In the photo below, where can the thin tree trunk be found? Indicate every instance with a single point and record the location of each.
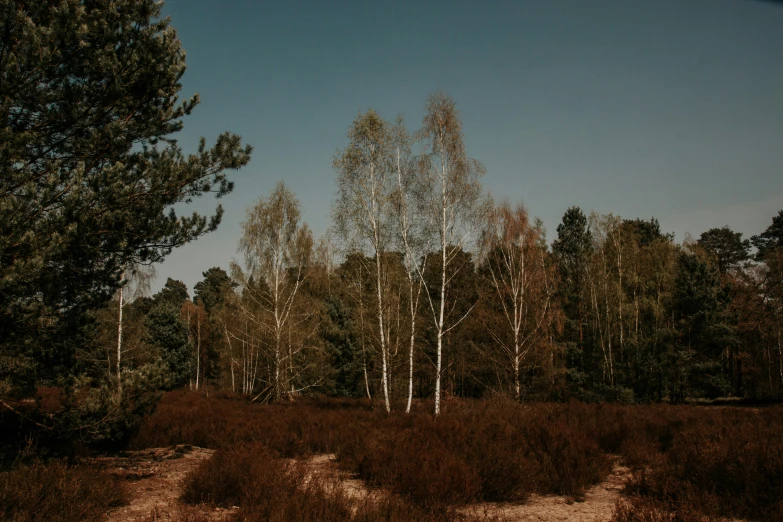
(364, 349)
(441, 316)
(412, 343)
(119, 341)
(198, 347)
(384, 366)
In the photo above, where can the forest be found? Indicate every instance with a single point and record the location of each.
(613, 309)
(431, 316)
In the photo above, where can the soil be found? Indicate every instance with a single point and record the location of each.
(154, 480)
(596, 505)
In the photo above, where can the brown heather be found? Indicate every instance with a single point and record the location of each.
(689, 463)
(55, 492)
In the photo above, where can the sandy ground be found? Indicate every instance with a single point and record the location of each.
(597, 505)
(154, 480)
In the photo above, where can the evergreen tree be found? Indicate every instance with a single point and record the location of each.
(212, 290)
(339, 337)
(770, 239)
(167, 332)
(89, 169)
(700, 331)
(726, 247)
(174, 292)
(572, 250)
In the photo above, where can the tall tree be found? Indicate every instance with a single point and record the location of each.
(771, 238)
(411, 231)
(770, 250)
(277, 248)
(513, 260)
(454, 204)
(212, 290)
(572, 250)
(726, 247)
(135, 284)
(363, 211)
(89, 169)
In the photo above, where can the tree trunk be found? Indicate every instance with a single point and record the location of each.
(119, 341)
(442, 286)
(410, 352)
(384, 348)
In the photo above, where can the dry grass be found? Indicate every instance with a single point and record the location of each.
(55, 492)
(689, 463)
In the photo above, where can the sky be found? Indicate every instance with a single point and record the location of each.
(670, 109)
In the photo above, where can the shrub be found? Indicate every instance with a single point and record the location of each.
(56, 492)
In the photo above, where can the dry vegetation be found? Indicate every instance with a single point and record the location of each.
(688, 463)
(56, 492)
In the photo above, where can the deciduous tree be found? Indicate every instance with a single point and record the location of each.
(454, 204)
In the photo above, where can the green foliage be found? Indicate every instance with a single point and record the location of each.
(645, 232)
(213, 288)
(89, 172)
(339, 335)
(700, 330)
(166, 331)
(173, 293)
(771, 238)
(726, 247)
(571, 250)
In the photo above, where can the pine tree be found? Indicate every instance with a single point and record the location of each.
(572, 250)
(89, 168)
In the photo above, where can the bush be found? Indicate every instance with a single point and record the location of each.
(270, 489)
(56, 492)
(695, 460)
(720, 469)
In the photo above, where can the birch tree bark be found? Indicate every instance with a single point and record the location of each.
(362, 212)
(513, 260)
(454, 205)
(277, 248)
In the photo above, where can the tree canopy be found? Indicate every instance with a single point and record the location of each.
(89, 167)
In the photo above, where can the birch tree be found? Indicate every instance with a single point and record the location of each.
(453, 204)
(195, 317)
(513, 258)
(136, 283)
(362, 211)
(277, 248)
(411, 231)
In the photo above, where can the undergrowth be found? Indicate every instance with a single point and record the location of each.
(689, 462)
(55, 492)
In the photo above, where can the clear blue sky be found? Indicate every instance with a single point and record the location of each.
(665, 108)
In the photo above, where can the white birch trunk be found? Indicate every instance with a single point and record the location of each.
(119, 341)
(441, 315)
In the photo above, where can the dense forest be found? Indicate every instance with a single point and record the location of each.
(613, 310)
(424, 287)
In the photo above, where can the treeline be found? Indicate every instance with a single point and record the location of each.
(425, 287)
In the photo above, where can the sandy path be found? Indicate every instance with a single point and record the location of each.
(154, 478)
(154, 481)
(598, 503)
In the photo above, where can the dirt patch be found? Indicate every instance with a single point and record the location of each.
(596, 505)
(325, 467)
(154, 478)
